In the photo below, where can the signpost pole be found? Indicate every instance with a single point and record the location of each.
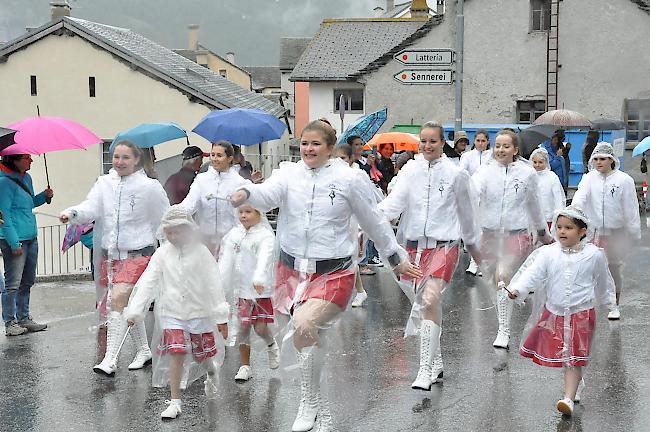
(342, 110)
(460, 31)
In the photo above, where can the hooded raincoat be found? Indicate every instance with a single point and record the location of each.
(551, 193)
(472, 160)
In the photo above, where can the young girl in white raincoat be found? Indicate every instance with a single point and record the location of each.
(551, 193)
(608, 196)
(190, 308)
(246, 267)
(570, 279)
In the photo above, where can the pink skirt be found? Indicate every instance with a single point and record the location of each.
(258, 310)
(437, 263)
(174, 342)
(545, 343)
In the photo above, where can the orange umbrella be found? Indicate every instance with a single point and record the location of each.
(401, 141)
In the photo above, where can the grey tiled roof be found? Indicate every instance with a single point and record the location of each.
(346, 49)
(264, 76)
(398, 9)
(290, 51)
(199, 83)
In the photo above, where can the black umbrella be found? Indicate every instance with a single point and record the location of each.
(6, 138)
(533, 136)
(607, 124)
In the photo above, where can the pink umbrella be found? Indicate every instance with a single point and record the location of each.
(40, 135)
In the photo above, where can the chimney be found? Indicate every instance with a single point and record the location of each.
(378, 11)
(440, 7)
(390, 5)
(230, 56)
(59, 9)
(419, 9)
(193, 37)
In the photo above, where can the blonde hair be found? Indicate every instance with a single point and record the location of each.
(324, 128)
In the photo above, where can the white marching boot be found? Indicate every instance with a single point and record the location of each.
(324, 415)
(310, 370)
(116, 327)
(429, 344)
(436, 369)
(143, 356)
(504, 312)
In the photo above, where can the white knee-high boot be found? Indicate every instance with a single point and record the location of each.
(143, 356)
(504, 312)
(116, 328)
(311, 364)
(436, 369)
(429, 344)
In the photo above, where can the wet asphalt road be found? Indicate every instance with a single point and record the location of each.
(46, 381)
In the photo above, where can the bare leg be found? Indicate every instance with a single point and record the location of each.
(358, 285)
(572, 377)
(245, 354)
(615, 270)
(431, 300)
(262, 330)
(120, 296)
(309, 318)
(175, 373)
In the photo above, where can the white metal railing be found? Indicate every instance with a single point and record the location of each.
(52, 261)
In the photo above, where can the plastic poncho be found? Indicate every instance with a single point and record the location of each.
(185, 283)
(551, 193)
(208, 200)
(568, 284)
(436, 200)
(126, 212)
(472, 160)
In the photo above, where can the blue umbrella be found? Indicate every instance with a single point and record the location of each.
(240, 126)
(366, 127)
(642, 147)
(148, 135)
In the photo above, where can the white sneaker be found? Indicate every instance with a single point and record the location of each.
(244, 374)
(614, 314)
(565, 406)
(359, 299)
(172, 411)
(375, 262)
(581, 388)
(273, 351)
(210, 387)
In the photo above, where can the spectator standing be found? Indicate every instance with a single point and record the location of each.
(178, 185)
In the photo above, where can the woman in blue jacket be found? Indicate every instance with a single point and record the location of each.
(556, 161)
(18, 242)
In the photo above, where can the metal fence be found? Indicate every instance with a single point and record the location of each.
(52, 261)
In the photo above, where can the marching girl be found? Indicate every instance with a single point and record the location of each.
(208, 196)
(471, 161)
(570, 278)
(510, 210)
(246, 267)
(434, 197)
(551, 193)
(127, 207)
(183, 280)
(609, 199)
(317, 196)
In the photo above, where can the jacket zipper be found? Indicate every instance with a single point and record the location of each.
(426, 219)
(117, 222)
(310, 212)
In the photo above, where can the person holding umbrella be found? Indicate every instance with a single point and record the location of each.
(18, 241)
(127, 207)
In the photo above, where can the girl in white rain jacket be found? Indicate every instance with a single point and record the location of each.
(246, 267)
(435, 199)
(126, 206)
(183, 279)
(510, 214)
(317, 196)
(208, 198)
(608, 196)
(551, 193)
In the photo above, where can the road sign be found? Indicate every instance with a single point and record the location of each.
(424, 76)
(425, 57)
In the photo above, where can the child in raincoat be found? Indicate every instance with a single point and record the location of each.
(183, 279)
(551, 193)
(246, 265)
(570, 278)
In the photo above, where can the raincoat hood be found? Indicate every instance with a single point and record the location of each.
(573, 212)
(541, 153)
(604, 149)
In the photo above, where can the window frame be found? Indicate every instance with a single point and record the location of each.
(105, 159)
(544, 19)
(336, 92)
(33, 84)
(639, 126)
(536, 107)
(92, 90)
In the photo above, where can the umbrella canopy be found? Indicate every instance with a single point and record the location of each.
(148, 135)
(607, 124)
(38, 135)
(365, 127)
(563, 119)
(533, 136)
(240, 126)
(642, 147)
(401, 141)
(6, 137)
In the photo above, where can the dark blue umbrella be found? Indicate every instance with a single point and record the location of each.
(6, 138)
(240, 126)
(148, 135)
(365, 127)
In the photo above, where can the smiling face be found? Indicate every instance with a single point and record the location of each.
(248, 216)
(504, 149)
(539, 163)
(603, 164)
(314, 150)
(220, 160)
(386, 151)
(568, 232)
(431, 143)
(357, 148)
(481, 142)
(124, 160)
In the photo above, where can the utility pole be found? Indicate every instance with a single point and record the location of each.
(460, 34)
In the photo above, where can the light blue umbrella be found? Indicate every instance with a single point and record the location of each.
(240, 126)
(642, 147)
(148, 135)
(365, 127)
